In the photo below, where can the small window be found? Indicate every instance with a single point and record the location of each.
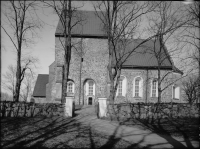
(70, 87)
(121, 88)
(137, 87)
(154, 88)
(175, 92)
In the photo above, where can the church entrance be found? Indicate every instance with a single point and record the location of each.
(89, 91)
(90, 101)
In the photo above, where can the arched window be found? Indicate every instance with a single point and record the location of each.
(70, 87)
(175, 92)
(154, 88)
(121, 89)
(90, 88)
(137, 87)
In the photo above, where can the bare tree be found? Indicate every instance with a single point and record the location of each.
(166, 21)
(69, 19)
(5, 97)
(23, 23)
(190, 88)
(121, 20)
(27, 86)
(9, 78)
(191, 36)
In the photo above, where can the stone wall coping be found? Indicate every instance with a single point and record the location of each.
(69, 97)
(102, 98)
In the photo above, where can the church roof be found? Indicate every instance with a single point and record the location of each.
(91, 26)
(40, 85)
(144, 55)
(88, 25)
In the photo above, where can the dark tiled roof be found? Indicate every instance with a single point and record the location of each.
(40, 86)
(144, 55)
(90, 24)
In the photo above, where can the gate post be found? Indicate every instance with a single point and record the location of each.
(102, 107)
(68, 108)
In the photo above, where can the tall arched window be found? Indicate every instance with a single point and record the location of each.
(91, 90)
(137, 87)
(90, 87)
(121, 89)
(154, 88)
(70, 87)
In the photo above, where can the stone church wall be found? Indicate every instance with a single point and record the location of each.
(130, 74)
(94, 65)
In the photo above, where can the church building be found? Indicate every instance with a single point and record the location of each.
(88, 74)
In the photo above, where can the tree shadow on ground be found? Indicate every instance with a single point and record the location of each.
(59, 132)
(55, 132)
(166, 128)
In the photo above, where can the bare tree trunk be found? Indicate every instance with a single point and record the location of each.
(111, 96)
(0, 54)
(80, 70)
(18, 75)
(159, 85)
(198, 98)
(67, 56)
(147, 80)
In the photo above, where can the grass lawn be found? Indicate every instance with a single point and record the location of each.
(54, 132)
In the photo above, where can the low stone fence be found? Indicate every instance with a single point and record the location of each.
(140, 110)
(25, 109)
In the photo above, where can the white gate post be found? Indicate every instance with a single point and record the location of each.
(102, 107)
(68, 111)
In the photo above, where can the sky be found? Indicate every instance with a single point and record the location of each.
(44, 49)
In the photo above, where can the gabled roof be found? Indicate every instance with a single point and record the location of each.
(144, 55)
(89, 24)
(40, 85)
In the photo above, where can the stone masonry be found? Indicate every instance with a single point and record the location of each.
(130, 74)
(94, 66)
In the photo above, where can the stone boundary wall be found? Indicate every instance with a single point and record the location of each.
(26, 109)
(140, 110)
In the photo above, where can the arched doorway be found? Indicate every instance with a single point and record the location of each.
(89, 92)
